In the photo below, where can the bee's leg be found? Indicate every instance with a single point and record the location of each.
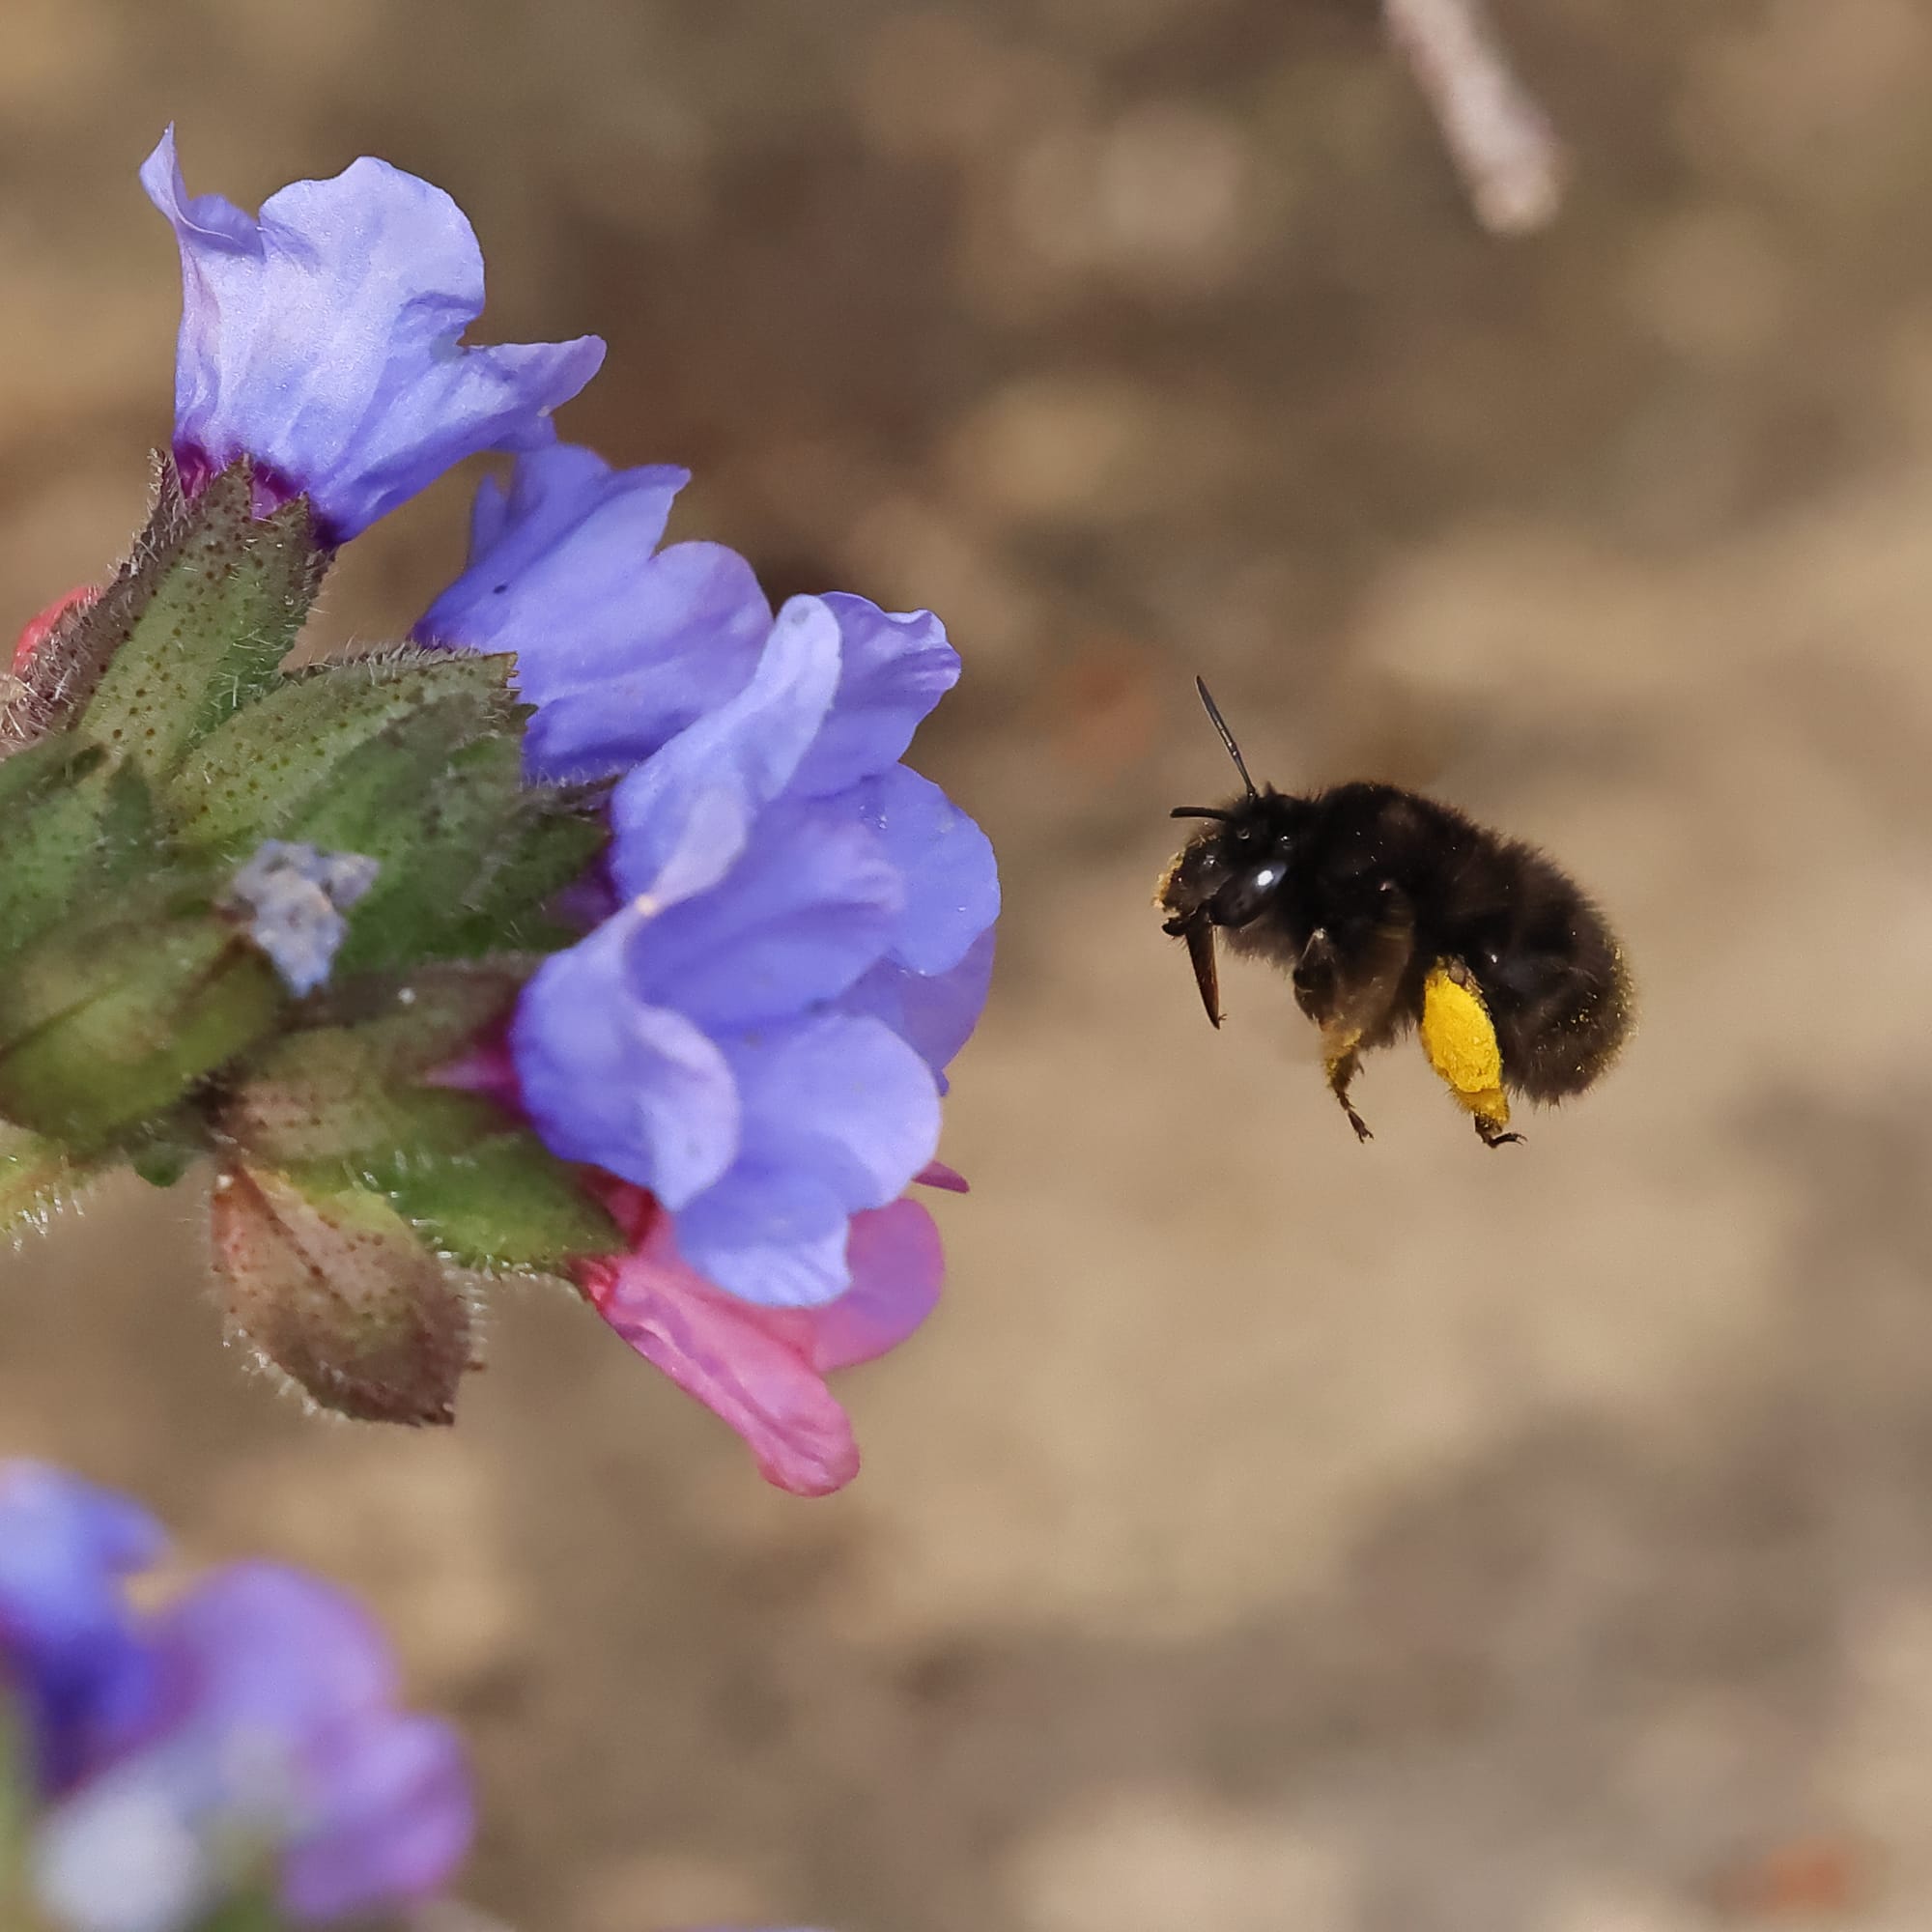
(1343, 1059)
(1317, 993)
(1459, 1039)
(1349, 990)
(1315, 978)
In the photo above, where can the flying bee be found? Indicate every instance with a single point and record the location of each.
(1388, 909)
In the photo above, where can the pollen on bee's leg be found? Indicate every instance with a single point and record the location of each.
(1459, 1039)
(1343, 1060)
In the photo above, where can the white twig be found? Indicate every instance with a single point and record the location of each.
(1500, 140)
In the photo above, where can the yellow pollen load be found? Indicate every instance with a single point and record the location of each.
(1461, 1043)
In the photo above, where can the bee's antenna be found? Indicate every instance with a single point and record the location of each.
(1227, 736)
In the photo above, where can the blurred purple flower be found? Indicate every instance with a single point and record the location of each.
(249, 1727)
(68, 1647)
(322, 340)
(619, 644)
(755, 1035)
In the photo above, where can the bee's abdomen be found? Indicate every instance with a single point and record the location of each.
(1549, 968)
(1560, 1039)
(1562, 1004)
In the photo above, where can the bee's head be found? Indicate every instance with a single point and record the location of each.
(1227, 875)
(1229, 871)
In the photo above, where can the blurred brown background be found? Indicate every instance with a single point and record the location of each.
(1271, 1534)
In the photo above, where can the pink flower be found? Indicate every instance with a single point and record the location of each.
(763, 1369)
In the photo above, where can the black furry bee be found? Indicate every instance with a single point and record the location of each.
(1389, 911)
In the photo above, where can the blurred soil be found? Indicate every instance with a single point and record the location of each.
(1272, 1534)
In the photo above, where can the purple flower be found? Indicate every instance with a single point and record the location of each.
(838, 692)
(68, 1648)
(933, 1012)
(755, 1035)
(619, 644)
(322, 340)
(247, 1728)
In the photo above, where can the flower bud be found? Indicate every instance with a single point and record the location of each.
(105, 1024)
(336, 1290)
(196, 621)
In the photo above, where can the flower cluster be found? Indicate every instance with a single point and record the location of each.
(240, 1742)
(756, 1034)
(602, 931)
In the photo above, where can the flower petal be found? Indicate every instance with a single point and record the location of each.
(772, 1235)
(836, 1115)
(260, 1647)
(698, 618)
(64, 1547)
(934, 1013)
(68, 1644)
(898, 1268)
(376, 1805)
(322, 340)
(842, 1098)
(894, 670)
(809, 905)
(119, 1857)
(618, 644)
(743, 1363)
(275, 1725)
(936, 1173)
(749, 747)
(612, 1080)
(952, 880)
(559, 494)
(394, 1821)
